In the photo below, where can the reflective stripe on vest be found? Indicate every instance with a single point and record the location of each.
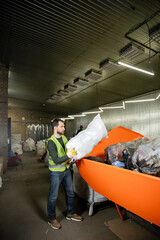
(60, 152)
(58, 166)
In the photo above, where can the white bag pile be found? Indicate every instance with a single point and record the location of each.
(17, 148)
(84, 142)
(29, 145)
(40, 147)
(16, 138)
(16, 143)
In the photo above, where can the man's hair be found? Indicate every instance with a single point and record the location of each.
(56, 122)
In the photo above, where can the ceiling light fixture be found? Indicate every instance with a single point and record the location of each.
(154, 33)
(131, 51)
(67, 118)
(108, 65)
(113, 107)
(135, 68)
(70, 88)
(143, 100)
(63, 93)
(86, 113)
(79, 115)
(50, 100)
(157, 96)
(93, 75)
(55, 96)
(81, 82)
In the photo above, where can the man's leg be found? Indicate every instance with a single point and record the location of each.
(55, 181)
(68, 185)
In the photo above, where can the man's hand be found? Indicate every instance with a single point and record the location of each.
(71, 153)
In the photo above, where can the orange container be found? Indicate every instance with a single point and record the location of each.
(137, 192)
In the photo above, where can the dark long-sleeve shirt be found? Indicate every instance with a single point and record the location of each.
(52, 148)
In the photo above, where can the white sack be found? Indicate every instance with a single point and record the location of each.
(84, 142)
(17, 148)
(29, 145)
(16, 139)
(41, 148)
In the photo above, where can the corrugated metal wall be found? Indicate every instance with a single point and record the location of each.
(141, 117)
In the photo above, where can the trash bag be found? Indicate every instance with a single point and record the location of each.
(84, 142)
(129, 150)
(29, 145)
(123, 152)
(40, 147)
(114, 153)
(146, 158)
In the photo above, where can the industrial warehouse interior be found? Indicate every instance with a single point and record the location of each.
(91, 63)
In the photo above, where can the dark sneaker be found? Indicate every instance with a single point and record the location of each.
(55, 224)
(74, 217)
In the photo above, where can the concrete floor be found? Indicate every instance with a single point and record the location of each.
(23, 214)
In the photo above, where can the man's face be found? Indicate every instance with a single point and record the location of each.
(60, 128)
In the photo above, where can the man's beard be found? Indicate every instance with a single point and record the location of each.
(60, 133)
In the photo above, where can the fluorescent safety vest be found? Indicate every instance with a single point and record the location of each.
(60, 152)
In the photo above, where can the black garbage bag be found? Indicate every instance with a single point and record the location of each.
(114, 153)
(123, 152)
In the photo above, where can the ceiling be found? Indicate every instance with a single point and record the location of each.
(48, 44)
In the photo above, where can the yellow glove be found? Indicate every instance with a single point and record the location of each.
(71, 153)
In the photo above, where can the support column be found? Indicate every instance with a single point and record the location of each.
(4, 117)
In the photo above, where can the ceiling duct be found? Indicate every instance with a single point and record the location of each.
(81, 82)
(93, 75)
(154, 33)
(55, 96)
(108, 65)
(50, 100)
(131, 52)
(63, 93)
(70, 88)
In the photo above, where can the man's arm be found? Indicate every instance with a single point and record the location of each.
(53, 153)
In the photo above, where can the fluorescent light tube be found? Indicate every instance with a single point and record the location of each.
(135, 68)
(124, 105)
(143, 100)
(67, 118)
(93, 112)
(79, 115)
(157, 96)
(113, 107)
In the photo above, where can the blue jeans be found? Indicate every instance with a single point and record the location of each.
(56, 178)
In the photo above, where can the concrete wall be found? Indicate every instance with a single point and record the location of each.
(141, 117)
(20, 119)
(3, 117)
